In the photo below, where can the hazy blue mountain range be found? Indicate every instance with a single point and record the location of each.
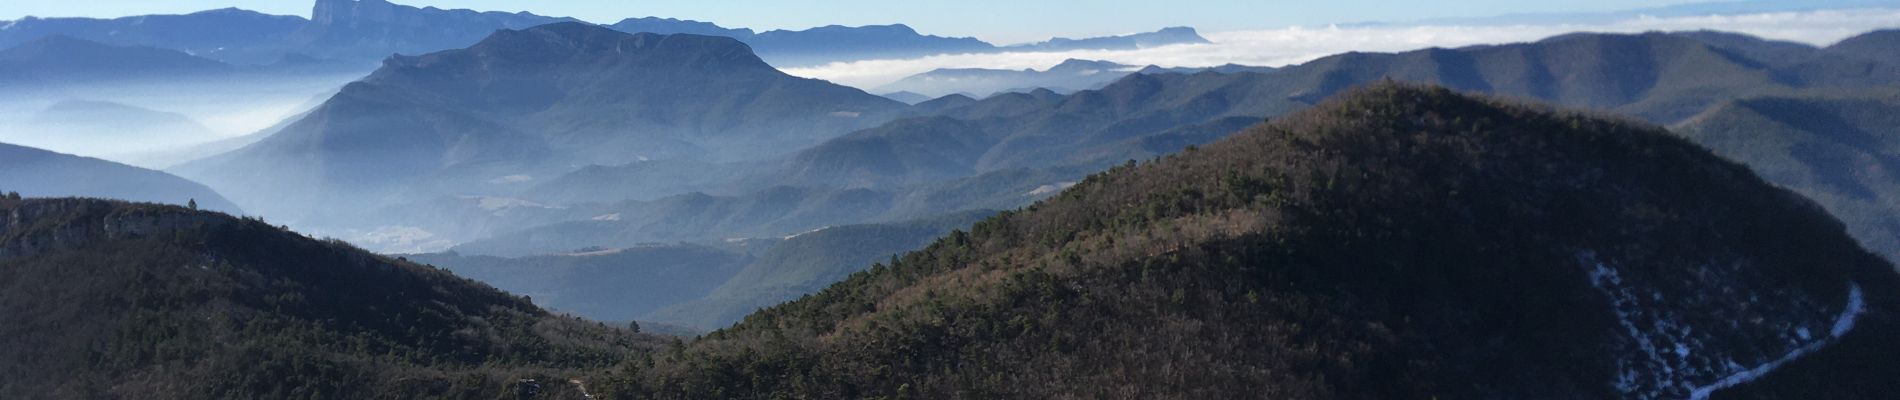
(907, 97)
(531, 103)
(357, 33)
(1719, 217)
(1661, 77)
(1694, 9)
(55, 60)
(1143, 116)
(1064, 78)
(374, 29)
(1008, 147)
(103, 126)
(1069, 76)
(787, 48)
(229, 35)
(1163, 37)
(58, 66)
(1223, 69)
(40, 173)
(668, 26)
(793, 48)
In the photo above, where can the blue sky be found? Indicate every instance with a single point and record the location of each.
(1005, 21)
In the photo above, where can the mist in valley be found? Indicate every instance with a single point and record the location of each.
(159, 123)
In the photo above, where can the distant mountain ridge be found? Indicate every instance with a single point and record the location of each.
(1656, 76)
(530, 102)
(1164, 37)
(107, 129)
(1067, 77)
(62, 59)
(1070, 76)
(373, 29)
(362, 31)
(1661, 77)
(1031, 136)
(229, 35)
(40, 173)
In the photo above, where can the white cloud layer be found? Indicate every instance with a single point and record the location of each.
(1294, 45)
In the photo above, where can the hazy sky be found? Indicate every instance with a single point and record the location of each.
(1003, 21)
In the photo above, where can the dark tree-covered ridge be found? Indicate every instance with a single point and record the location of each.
(108, 299)
(1394, 242)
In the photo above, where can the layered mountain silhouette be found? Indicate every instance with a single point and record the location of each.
(373, 29)
(1069, 76)
(527, 102)
(668, 26)
(1163, 37)
(1841, 151)
(352, 32)
(794, 48)
(907, 97)
(39, 173)
(106, 129)
(1664, 78)
(1223, 69)
(111, 300)
(997, 150)
(55, 60)
(787, 48)
(229, 35)
(1397, 242)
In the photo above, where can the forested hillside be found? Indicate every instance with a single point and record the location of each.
(126, 300)
(1398, 242)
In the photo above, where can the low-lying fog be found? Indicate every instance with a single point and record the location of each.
(157, 124)
(1292, 45)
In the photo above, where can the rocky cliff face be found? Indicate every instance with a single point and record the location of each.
(40, 226)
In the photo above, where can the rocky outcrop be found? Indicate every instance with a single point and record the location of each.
(38, 226)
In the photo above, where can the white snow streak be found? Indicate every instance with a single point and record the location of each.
(1855, 306)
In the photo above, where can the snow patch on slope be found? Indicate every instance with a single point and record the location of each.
(1667, 355)
(1856, 305)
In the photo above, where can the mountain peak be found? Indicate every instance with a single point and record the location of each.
(1080, 65)
(563, 40)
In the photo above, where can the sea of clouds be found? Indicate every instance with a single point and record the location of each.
(1293, 45)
